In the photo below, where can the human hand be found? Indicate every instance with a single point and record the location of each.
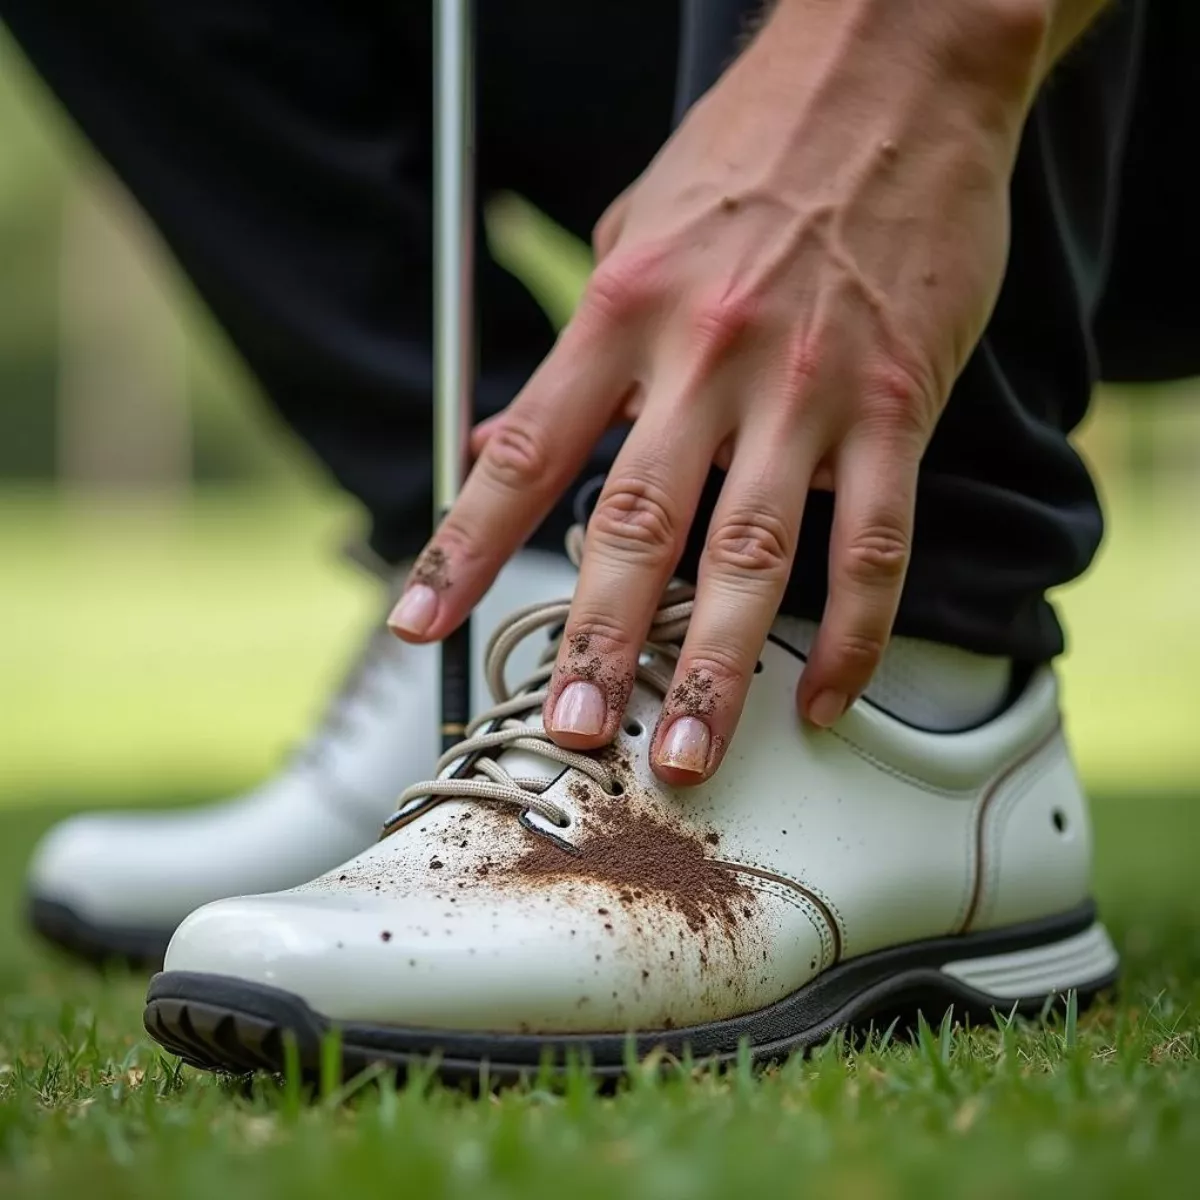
(789, 290)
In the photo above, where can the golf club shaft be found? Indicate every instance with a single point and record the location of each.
(454, 305)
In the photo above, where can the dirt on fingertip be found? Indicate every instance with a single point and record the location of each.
(432, 569)
(695, 695)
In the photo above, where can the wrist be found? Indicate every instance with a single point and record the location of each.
(985, 56)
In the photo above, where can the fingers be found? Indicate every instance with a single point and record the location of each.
(874, 499)
(634, 539)
(527, 457)
(743, 572)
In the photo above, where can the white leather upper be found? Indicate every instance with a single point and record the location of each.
(149, 869)
(866, 836)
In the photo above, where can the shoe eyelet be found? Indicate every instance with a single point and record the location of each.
(634, 727)
(618, 788)
(546, 828)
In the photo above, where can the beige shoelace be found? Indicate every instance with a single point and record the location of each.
(503, 726)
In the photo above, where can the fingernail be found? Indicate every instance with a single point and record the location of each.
(826, 708)
(685, 746)
(580, 709)
(415, 610)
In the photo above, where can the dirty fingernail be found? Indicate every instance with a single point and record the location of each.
(685, 746)
(580, 709)
(826, 708)
(415, 610)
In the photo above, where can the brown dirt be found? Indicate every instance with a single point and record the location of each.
(614, 682)
(696, 695)
(432, 569)
(645, 860)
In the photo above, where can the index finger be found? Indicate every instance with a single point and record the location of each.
(533, 453)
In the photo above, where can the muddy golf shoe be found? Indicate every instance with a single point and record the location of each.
(115, 885)
(545, 903)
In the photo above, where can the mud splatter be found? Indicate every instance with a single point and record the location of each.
(385, 935)
(643, 857)
(432, 569)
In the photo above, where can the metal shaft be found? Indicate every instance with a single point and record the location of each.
(454, 244)
(453, 302)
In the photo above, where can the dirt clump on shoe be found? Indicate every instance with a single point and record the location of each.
(644, 859)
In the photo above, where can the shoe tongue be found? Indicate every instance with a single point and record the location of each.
(797, 633)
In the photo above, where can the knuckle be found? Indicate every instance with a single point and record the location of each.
(718, 322)
(876, 554)
(591, 634)
(633, 518)
(516, 454)
(709, 675)
(755, 543)
(858, 653)
(620, 286)
(899, 401)
(804, 358)
(456, 542)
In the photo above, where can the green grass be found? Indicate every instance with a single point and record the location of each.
(124, 675)
(1106, 1106)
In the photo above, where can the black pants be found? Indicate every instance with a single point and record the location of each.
(282, 149)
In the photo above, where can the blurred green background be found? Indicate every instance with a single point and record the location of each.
(172, 607)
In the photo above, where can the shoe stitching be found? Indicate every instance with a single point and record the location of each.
(896, 773)
(1013, 771)
(832, 917)
(996, 821)
(800, 902)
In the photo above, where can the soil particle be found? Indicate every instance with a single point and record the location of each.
(386, 935)
(432, 569)
(436, 864)
(696, 694)
(713, 839)
(638, 853)
(615, 682)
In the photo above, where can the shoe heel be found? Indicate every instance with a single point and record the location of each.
(1085, 962)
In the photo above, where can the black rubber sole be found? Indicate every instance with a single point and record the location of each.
(97, 944)
(224, 1024)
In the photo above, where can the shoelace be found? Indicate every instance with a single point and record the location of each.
(503, 727)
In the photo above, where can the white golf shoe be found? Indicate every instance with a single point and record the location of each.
(541, 903)
(116, 884)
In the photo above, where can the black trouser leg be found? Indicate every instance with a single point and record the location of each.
(282, 148)
(1006, 509)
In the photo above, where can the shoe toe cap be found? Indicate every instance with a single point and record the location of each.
(544, 963)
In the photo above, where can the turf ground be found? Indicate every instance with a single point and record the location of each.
(122, 679)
